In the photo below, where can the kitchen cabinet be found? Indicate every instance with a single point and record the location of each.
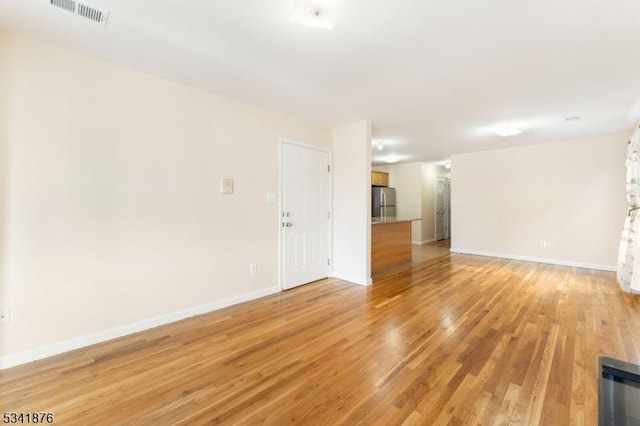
(379, 179)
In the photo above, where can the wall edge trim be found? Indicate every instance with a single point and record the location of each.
(29, 355)
(611, 268)
(353, 279)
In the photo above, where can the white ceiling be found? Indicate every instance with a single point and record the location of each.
(434, 77)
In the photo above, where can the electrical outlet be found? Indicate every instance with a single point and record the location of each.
(226, 186)
(5, 316)
(253, 268)
(543, 243)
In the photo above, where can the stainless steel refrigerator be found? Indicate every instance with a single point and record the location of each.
(383, 201)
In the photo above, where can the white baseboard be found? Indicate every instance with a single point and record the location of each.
(536, 259)
(353, 279)
(23, 357)
(423, 242)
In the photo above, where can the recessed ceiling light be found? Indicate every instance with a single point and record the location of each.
(315, 13)
(379, 146)
(508, 131)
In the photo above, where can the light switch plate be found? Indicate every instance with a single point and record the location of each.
(5, 316)
(226, 186)
(271, 198)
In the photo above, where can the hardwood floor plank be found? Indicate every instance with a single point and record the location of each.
(455, 339)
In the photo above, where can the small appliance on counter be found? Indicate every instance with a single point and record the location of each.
(383, 201)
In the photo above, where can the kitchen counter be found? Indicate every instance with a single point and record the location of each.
(390, 219)
(390, 244)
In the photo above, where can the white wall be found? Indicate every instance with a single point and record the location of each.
(407, 180)
(352, 202)
(571, 194)
(4, 162)
(429, 175)
(115, 216)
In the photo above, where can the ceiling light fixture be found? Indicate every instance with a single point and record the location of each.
(391, 159)
(315, 13)
(379, 146)
(508, 131)
(447, 164)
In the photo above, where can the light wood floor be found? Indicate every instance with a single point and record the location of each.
(419, 254)
(457, 339)
(429, 251)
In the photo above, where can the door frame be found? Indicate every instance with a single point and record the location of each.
(283, 142)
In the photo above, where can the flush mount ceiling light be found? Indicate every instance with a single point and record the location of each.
(508, 131)
(391, 159)
(379, 145)
(315, 13)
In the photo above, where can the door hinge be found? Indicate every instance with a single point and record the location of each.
(329, 168)
(328, 261)
(328, 215)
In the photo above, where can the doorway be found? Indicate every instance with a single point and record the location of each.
(443, 208)
(305, 216)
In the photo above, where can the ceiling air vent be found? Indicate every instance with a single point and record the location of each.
(82, 9)
(69, 5)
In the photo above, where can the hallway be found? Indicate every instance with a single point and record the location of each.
(430, 251)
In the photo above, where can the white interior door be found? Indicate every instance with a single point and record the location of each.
(443, 208)
(441, 216)
(447, 197)
(306, 214)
